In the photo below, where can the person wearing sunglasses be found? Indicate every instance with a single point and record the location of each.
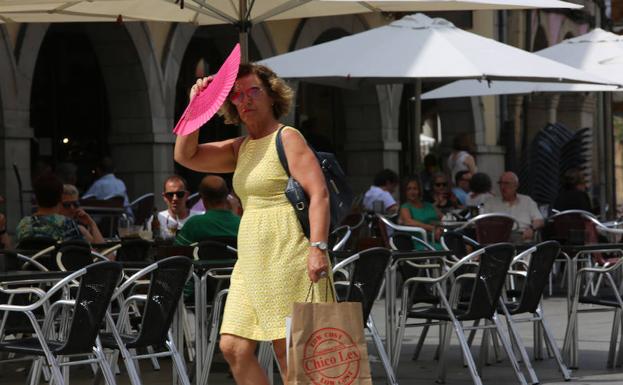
(277, 265)
(442, 198)
(177, 213)
(47, 220)
(70, 207)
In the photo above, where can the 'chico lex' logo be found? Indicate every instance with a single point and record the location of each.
(331, 357)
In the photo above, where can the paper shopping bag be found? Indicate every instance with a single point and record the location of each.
(327, 345)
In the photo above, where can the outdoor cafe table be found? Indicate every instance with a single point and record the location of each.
(420, 257)
(572, 254)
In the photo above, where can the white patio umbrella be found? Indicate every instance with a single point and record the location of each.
(598, 52)
(415, 48)
(242, 13)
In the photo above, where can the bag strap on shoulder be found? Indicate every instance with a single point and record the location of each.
(281, 152)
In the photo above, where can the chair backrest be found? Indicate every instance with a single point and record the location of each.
(570, 228)
(9, 261)
(134, 250)
(35, 243)
(407, 242)
(489, 281)
(339, 236)
(540, 266)
(142, 208)
(366, 278)
(73, 258)
(458, 244)
(165, 290)
(214, 250)
(493, 229)
(96, 288)
(32, 245)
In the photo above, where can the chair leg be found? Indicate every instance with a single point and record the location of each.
(614, 336)
(154, 360)
(483, 354)
(420, 343)
(37, 367)
(177, 359)
(515, 336)
(551, 342)
(509, 350)
(103, 364)
(445, 336)
(467, 354)
(472, 333)
(389, 371)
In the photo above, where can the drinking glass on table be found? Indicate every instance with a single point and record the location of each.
(124, 226)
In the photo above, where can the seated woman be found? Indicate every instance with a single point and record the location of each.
(47, 220)
(71, 209)
(573, 195)
(480, 186)
(416, 212)
(442, 198)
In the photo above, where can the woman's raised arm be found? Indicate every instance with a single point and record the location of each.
(219, 157)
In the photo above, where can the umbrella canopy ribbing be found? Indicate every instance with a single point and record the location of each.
(204, 12)
(598, 52)
(419, 47)
(414, 48)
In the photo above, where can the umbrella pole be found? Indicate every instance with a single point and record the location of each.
(417, 126)
(243, 31)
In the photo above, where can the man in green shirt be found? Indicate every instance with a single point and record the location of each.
(217, 221)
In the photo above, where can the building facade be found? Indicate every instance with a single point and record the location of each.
(77, 92)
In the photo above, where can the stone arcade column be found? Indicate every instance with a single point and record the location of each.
(372, 133)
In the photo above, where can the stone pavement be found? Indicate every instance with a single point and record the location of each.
(594, 337)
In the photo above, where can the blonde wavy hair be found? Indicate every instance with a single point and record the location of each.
(276, 88)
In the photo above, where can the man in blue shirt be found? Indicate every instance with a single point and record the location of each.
(461, 186)
(107, 185)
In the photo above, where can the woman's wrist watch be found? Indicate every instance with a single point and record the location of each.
(321, 245)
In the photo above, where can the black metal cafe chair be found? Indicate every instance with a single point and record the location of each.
(532, 269)
(486, 287)
(97, 283)
(167, 278)
(366, 271)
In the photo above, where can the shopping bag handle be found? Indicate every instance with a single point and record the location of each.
(310, 292)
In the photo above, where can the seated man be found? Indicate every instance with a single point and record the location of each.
(177, 213)
(461, 186)
(47, 220)
(107, 184)
(217, 221)
(71, 209)
(380, 193)
(519, 206)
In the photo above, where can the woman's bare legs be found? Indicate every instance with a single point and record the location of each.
(240, 355)
(279, 346)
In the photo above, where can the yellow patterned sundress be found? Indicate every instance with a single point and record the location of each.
(271, 271)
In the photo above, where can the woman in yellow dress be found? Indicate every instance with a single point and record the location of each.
(276, 262)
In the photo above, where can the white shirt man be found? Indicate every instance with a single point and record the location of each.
(385, 183)
(177, 213)
(521, 207)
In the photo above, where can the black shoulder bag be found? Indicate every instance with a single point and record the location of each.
(340, 193)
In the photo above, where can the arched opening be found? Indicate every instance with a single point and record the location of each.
(69, 110)
(319, 109)
(206, 52)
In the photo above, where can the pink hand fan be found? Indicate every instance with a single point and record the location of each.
(205, 104)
